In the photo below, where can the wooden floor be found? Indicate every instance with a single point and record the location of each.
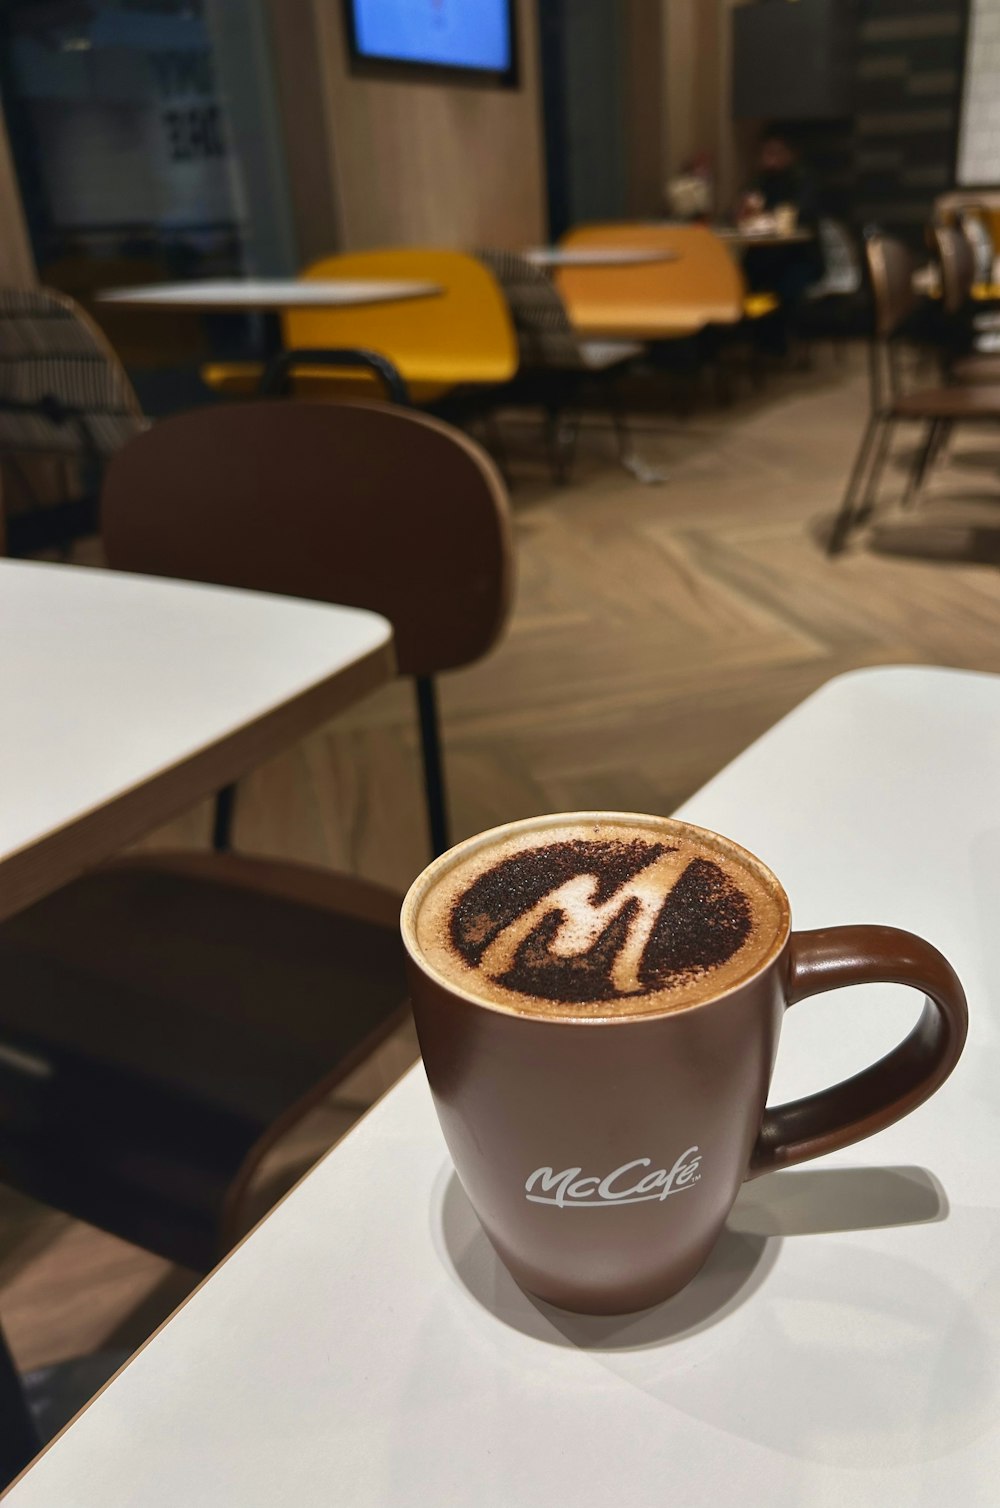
(656, 632)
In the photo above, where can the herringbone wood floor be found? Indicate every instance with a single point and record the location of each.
(656, 631)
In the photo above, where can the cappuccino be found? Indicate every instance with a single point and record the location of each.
(595, 915)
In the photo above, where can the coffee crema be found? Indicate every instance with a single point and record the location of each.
(595, 915)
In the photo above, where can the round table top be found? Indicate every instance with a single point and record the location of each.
(269, 293)
(596, 256)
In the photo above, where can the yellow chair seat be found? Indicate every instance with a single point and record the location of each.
(757, 305)
(986, 292)
(241, 379)
(462, 336)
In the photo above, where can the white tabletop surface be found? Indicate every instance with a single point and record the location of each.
(110, 681)
(842, 1346)
(270, 293)
(595, 256)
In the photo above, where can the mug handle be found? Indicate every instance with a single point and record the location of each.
(826, 959)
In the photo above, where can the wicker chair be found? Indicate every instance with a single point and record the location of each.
(64, 396)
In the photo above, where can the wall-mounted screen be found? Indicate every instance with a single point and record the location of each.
(470, 38)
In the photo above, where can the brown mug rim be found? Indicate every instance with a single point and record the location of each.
(428, 875)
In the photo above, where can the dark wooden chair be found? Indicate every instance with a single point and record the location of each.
(956, 260)
(938, 409)
(354, 503)
(166, 1018)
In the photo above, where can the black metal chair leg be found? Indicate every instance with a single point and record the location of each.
(845, 518)
(497, 444)
(430, 748)
(619, 419)
(925, 456)
(627, 457)
(561, 435)
(19, 1442)
(222, 823)
(870, 498)
(277, 374)
(942, 441)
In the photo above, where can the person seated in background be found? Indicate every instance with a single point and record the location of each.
(784, 196)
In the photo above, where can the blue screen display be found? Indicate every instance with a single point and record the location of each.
(449, 33)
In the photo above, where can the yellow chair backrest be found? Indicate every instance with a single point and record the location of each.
(653, 300)
(462, 335)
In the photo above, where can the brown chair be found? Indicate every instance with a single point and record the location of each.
(166, 1018)
(939, 409)
(359, 504)
(957, 266)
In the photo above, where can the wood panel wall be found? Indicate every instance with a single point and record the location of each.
(17, 270)
(379, 161)
(646, 124)
(698, 93)
(17, 264)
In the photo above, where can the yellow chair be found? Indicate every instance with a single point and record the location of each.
(462, 336)
(652, 300)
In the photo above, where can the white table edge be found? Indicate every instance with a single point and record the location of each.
(198, 296)
(867, 673)
(889, 672)
(416, 1067)
(45, 863)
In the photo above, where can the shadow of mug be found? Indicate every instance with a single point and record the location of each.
(818, 1200)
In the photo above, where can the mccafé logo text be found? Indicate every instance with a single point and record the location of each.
(628, 1184)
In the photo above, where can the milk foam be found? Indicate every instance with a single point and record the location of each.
(595, 915)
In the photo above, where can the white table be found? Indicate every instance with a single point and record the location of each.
(126, 698)
(256, 294)
(365, 1347)
(595, 256)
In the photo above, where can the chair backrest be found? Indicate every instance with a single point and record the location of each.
(958, 266)
(890, 267)
(980, 226)
(63, 391)
(461, 335)
(363, 504)
(545, 337)
(703, 286)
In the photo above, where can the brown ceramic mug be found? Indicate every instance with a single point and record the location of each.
(598, 998)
